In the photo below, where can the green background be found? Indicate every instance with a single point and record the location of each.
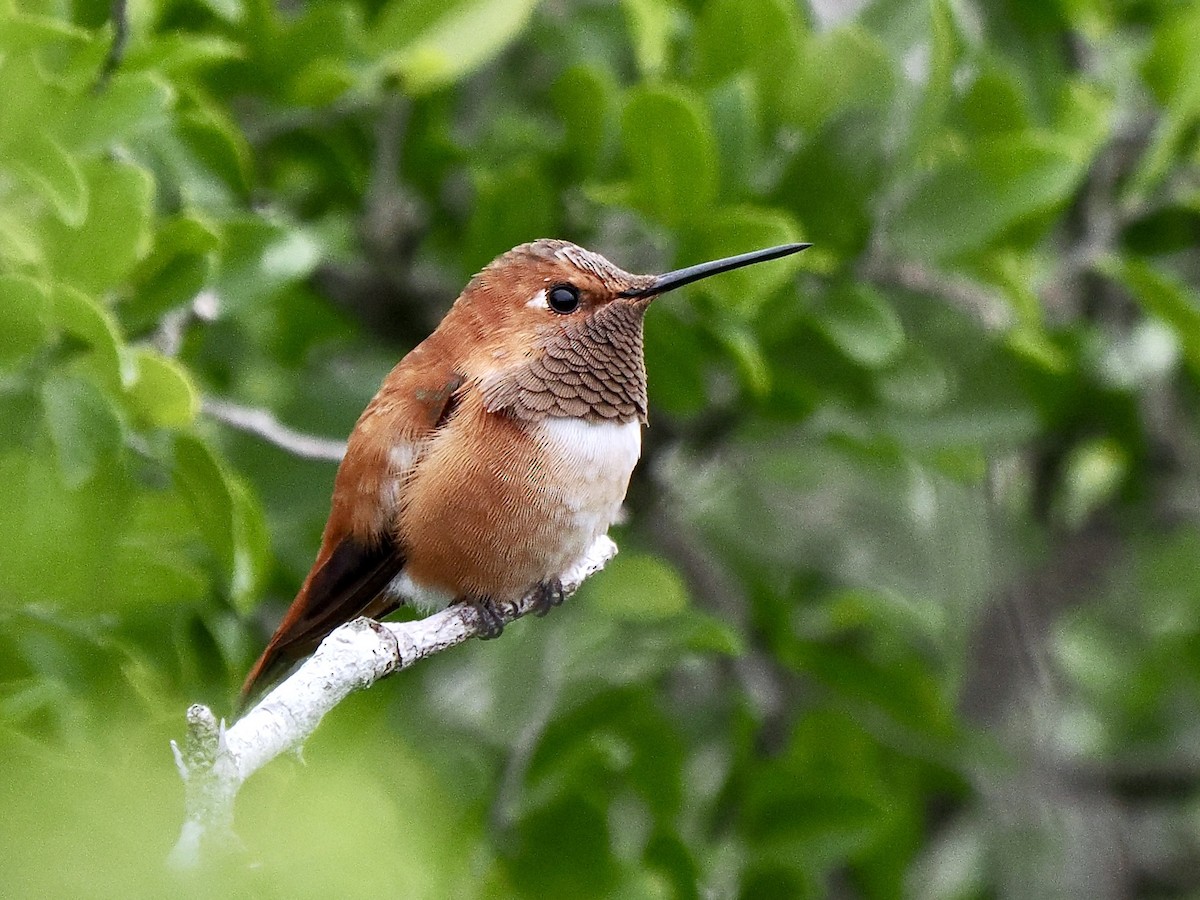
(908, 602)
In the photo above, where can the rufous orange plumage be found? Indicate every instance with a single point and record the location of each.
(495, 453)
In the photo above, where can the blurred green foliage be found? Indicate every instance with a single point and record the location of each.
(908, 601)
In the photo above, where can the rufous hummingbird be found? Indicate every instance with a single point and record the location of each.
(495, 453)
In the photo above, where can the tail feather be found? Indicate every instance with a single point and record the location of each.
(345, 583)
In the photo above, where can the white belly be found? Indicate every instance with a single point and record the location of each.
(594, 461)
(577, 485)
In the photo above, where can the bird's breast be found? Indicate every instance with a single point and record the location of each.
(592, 461)
(496, 504)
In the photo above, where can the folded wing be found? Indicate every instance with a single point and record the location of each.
(359, 553)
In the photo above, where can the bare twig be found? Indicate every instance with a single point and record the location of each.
(982, 303)
(116, 50)
(386, 290)
(168, 337)
(215, 761)
(262, 423)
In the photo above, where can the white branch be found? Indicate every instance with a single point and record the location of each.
(262, 423)
(215, 760)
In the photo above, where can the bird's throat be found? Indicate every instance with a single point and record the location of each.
(592, 368)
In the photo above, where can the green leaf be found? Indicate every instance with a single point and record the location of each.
(735, 35)
(862, 324)
(638, 587)
(162, 393)
(1036, 346)
(902, 688)
(229, 10)
(994, 103)
(651, 23)
(671, 150)
(54, 173)
(939, 87)
(98, 254)
(462, 38)
(752, 366)
(509, 207)
(83, 427)
(1093, 473)
(837, 173)
(322, 82)
(61, 532)
(1083, 117)
(180, 53)
(19, 244)
(131, 104)
(30, 104)
(167, 289)
(201, 480)
(913, 380)
(229, 518)
(326, 36)
(705, 634)
(584, 97)
(669, 854)
(220, 145)
(26, 318)
(1167, 299)
(572, 830)
(737, 124)
(760, 37)
(21, 32)
(173, 273)
(677, 355)
(842, 71)
(152, 575)
(185, 234)
(968, 201)
(82, 317)
(252, 549)
(1171, 68)
(812, 816)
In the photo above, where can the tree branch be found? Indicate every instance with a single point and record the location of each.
(262, 423)
(215, 761)
(986, 305)
(116, 50)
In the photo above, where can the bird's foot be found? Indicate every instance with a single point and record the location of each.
(546, 596)
(491, 617)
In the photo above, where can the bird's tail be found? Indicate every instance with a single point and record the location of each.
(346, 582)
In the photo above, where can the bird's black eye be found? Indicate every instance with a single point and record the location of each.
(564, 298)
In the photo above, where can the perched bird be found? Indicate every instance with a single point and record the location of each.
(495, 453)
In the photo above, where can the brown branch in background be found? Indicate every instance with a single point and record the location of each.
(384, 291)
(1012, 687)
(768, 686)
(116, 50)
(984, 304)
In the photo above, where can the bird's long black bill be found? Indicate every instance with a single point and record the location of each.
(680, 277)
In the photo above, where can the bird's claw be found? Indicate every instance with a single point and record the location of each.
(547, 595)
(491, 618)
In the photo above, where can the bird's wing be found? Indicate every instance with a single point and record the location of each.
(359, 553)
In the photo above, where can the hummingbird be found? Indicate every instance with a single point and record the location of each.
(495, 453)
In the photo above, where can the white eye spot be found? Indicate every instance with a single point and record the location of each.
(538, 300)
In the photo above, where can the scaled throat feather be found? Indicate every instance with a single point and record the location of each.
(591, 368)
